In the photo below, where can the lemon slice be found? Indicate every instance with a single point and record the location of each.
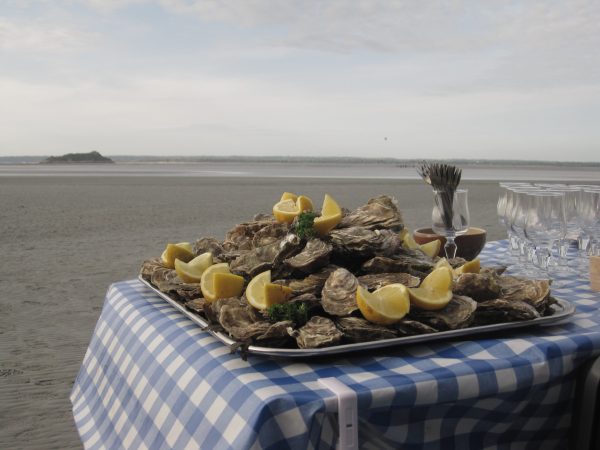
(192, 271)
(261, 293)
(408, 241)
(217, 281)
(435, 291)
(287, 210)
(386, 305)
(442, 262)
(288, 196)
(432, 248)
(473, 266)
(182, 251)
(331, 215)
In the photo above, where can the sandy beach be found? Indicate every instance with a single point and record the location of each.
(64, 240)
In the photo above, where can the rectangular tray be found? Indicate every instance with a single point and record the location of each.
(563, 309)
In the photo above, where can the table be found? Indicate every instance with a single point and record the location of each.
(152, 379)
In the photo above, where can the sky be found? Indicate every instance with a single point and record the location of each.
(365, 78)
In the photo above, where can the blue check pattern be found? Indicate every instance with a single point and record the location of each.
(152, 379)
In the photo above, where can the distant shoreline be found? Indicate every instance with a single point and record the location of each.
(401, 163)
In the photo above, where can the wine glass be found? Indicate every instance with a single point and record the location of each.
(545, 224)
(450, 223)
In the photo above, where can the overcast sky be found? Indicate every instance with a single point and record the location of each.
(482, 79)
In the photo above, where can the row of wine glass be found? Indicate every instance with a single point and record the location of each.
(540, 217)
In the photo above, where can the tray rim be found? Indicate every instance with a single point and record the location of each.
(568, 309)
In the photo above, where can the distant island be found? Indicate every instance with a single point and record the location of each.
(78, 158)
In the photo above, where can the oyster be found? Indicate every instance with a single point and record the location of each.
(376, 280)
(456, 314)
(269, 234)
(534, 292)
(166, 280)
(399, 263)
(240, 237)
(408, 327)
(188, 291)
(312, 284)
(364, 242)
(266, 257)
(502, 310)
(208, 244)
(149, 266)
(379, 212)
(197, 305)
(356, 329)
(314, 256)
(317, 332)
(339, 293)
(478, 286)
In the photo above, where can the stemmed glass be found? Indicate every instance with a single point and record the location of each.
(590, 218)
(450, 227)
(545, 224)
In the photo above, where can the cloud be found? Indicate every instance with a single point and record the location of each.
(37, 36)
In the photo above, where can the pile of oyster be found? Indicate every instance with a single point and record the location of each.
(364, 248)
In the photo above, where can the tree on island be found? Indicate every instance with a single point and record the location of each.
(91, 157)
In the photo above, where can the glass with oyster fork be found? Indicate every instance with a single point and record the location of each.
(453, 222)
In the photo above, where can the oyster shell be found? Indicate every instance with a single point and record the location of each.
(269, 234)
(197, 305)
(502, 310)
(534, 292)
(266, 257)
(376, 280)
(188, 291)
(459, 313)
(208, 244)
(363, 242)
(408, 327)
(478, 286)
(356, 329)
(398, 263)
(317, 332)
(338, 296)
(379, 213)
(165, 280)
(240, 237)
(149, 266)
(312, 284)
(314, 256)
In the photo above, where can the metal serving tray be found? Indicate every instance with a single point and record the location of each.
(563, 309)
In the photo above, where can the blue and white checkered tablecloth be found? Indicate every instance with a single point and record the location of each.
(152, 379)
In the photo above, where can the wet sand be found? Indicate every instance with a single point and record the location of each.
(63, 240)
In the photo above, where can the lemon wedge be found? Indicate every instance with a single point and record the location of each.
(287, 210)
(386, 305)
(408, 241)
(435, 290)
(288, 196)
(192, 271)
(261, 293)
(443, 262)
(182, 251)
(331, 215)
(217, 282)
(432, 248)
(473, 266)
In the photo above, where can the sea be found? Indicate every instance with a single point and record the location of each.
(355, 170)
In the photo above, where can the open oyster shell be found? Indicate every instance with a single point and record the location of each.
(313, 256)
(338, 296)
(409, 327)
(459, 313)
(150, 266)
(374, 281)
(356, 329)
(398, 263)
(208, 244)
(241, 236)
(317, 332)
(312, 284)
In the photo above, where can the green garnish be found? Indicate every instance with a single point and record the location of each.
(304, 225)
(297, 312)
